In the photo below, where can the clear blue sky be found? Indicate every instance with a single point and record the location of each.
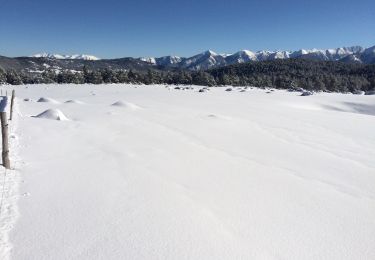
(109, 28)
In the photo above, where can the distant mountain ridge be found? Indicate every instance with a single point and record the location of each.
(65, 57)
(39, 63)
(210, 59)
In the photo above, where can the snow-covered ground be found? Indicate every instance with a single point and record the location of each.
(149, 172)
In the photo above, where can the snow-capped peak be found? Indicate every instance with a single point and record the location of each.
(211, 53)
(60, 57)
(241, 56)
(150, 60)
(246, 52)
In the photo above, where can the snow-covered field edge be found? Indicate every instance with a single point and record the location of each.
(9, 180)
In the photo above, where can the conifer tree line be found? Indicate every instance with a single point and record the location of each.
(281, 74)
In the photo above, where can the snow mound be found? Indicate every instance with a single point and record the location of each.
(53, 114)
(73, 101)
(131, 106)
(306, 93)
(47, 100)
(216, 116)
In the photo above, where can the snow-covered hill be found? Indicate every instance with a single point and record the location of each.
(141, 172)
(368, 55)
(70, 57)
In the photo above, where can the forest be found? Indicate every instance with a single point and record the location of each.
(280, 74)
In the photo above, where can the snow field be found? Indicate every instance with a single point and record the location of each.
(149, 172)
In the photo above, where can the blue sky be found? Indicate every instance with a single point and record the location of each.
(109, 28)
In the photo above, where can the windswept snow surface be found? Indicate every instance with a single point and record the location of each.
(214, 175)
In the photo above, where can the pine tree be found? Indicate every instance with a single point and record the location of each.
(13, 78)
(3, 77)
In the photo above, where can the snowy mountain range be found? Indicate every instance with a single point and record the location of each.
(201, 61)
(210, 59)
(65, 57)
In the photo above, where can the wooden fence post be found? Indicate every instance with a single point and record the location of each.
(11, 104)
(4, 136)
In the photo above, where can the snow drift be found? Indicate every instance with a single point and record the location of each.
(124, 104)
(53, 114)
(73, 101)
(47, 100)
